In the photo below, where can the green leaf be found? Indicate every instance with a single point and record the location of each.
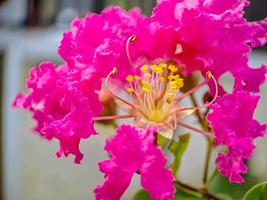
(258, 192)
(161, 140)
(221, 185)
(224, 196)
(141, 195)
(183, 195)
(178, 149)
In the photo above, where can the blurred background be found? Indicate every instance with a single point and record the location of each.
(30, 31)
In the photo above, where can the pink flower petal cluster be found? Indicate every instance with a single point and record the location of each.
(132, 151)
(211, 33)
(234, 126)
(196, 35)
(63, 103)
(98, 41)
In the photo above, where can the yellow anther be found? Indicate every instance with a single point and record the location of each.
(173, 77)
(177, 84)
(180, 82)
(130, 90)
(173, 85)
(146, 90)
(153, 67)
(133, 38)
(163, 65)
(145, 83)
(148, 75)
(170, 94)
(144, 68)
(146, 86)
(137, 77)
(114, 70)
(159, 70)
(172, 68)
(208, 74)
(129, 78)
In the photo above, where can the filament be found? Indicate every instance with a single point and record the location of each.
(112, 117)
(129, 40)
(195, 129)
(114, 71)
(209, 76)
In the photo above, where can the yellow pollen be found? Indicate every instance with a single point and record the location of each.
(170, 94)
(173, 77)
(146, 86)
(148, 75)
(129, 78)
(144, 68)
(176, 84)
(153, 67)
(137, 77)
(157, 69)
(208, 74)
(133, 38)
(154, 91)
(172, 68)
(163, 65)
(130, 90)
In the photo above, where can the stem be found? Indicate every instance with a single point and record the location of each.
(207, 162)
(201, 191)
(205, 127)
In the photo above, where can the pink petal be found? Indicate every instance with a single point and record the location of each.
(232, 122)
(63, 103)
(133, 150)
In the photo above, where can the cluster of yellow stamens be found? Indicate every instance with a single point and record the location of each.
(154, 96)
(154, 90)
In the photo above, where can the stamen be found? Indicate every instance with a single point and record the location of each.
(112, 117)
(195, 129)
(194, 89)
(114, 71)
(130, 39)
(209, 76)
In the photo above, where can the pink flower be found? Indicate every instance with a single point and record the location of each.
(132, 151)
(98, 41)
(148, 59)
(219, 49)
(63, 103)
(234, 126)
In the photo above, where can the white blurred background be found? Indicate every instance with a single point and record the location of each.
(30, 31)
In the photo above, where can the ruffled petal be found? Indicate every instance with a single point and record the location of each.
(155, 179)
(232, 122)
(203, 50)
(250, 79)
(99, 41)
(63, 102)
(133, 150)
(259, 32)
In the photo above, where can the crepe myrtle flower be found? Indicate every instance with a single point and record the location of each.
(145, 65)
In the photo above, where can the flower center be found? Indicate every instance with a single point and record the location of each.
(153, 96)
(153, 92)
